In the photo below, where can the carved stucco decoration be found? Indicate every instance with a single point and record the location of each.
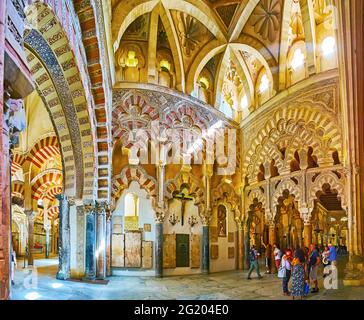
(293, 129)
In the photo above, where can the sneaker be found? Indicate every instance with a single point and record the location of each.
(249, 278)
(314, 290)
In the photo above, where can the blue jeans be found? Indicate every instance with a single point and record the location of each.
(286, 280)
(254, 265)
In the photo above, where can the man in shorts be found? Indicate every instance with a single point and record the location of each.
(313, 263)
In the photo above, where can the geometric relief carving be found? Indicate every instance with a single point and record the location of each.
(213, 234)
(169, 251)
(147, 254)
(117, 250)
(231, 252)
(133, 249)
(214, 251)
(231, 236)
(195, 250)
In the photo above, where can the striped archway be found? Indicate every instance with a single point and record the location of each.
(46, 181)
(43, 150)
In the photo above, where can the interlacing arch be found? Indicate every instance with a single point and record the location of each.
(258, 194)
(289, 185)
(131, 112)
(193, 184)
(292, 128)
(58, 80)
(129, 174)
(336, 184)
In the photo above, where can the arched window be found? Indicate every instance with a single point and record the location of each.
(131, 205)
(226, 109)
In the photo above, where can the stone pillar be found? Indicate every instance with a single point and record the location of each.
(158, 249)
(30, 218)
(246, 247)
(90, 264)
(205, 217)
(64, 238)
(272, 240)
(108, 242)
(100, 241)
(241, 247)
(205, 261)
(48, 240)
(307, 234)
(77, 220)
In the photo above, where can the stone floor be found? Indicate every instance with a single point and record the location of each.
(225, 285)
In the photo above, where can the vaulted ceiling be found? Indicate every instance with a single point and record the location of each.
(220, 41)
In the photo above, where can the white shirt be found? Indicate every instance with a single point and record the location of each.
(277, 254)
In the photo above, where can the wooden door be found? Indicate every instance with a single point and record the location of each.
(133, 249)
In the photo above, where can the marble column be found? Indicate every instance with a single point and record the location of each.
(246, 247)
(108, 244)
(48, 242)
(158, 249)
(100, 241)
(307, 234)
(205, 253)
(90, 267)
(241, 248)
(205, 265)
(77, 231)
(30, 218)
(272, 240)
(64, 237)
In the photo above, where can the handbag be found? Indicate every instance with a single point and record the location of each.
(306, 289)
(282, 270)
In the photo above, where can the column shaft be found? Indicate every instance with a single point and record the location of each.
(101, 244)
(30, 218)
(90, 268)
(307, 231)
(205, 266)
(159, 249)
(64, 238)
(108, 247)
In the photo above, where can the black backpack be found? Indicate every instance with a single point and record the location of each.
(252, 255)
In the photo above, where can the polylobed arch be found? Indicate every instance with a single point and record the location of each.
(133, 173)
(335, 183)
(54, 68)
(186, 179)
(303, 115)
(293, 189)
